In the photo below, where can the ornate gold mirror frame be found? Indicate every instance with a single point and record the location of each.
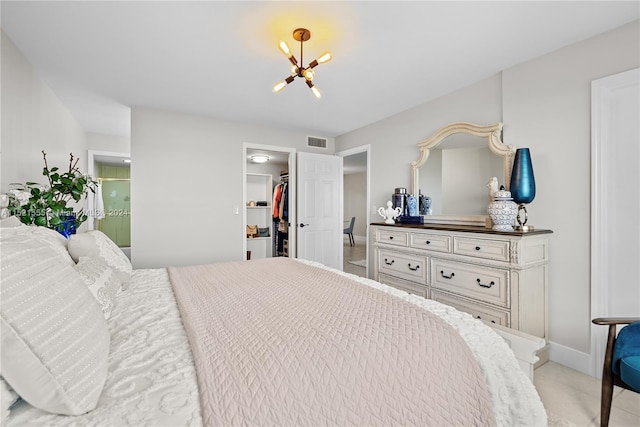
(493, 134)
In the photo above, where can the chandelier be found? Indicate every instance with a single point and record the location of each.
(301, 35)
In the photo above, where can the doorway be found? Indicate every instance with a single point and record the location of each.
(109, 207)
(269, 170)
(355, 247)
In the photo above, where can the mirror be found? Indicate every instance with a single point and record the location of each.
(454, 167)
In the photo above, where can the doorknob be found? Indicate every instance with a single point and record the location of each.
(303, 225)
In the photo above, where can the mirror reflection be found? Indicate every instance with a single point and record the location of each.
(455, 177)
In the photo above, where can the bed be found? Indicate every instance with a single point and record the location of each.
(263, 342)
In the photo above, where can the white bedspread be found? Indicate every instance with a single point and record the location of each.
(152, 380)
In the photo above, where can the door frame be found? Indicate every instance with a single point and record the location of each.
(292, 193)
(356, 150)
(601, 165)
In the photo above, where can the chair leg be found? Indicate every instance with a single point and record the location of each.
(607, 380)
(351, 240)
(607, 395)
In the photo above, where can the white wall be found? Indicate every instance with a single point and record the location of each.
(355, 200)
(545, 105)
(111, 143)
(33, 119)
(186, 179)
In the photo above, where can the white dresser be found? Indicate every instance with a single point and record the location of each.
(499, 277)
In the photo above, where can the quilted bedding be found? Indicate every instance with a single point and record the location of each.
(152, 379)
(277, 342)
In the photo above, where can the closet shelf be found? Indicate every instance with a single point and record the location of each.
(258, 238)
(259, 207)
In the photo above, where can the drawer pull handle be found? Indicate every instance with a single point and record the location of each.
(477, 248)
(485, 286)
(390, 237)
(414, 269)
(386, 261)
(428, 242)
(447, 277)
(478, 317)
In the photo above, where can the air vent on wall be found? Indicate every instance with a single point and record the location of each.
(316, 142)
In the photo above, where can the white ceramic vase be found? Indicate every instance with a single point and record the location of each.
(503, 211)
(390, 213)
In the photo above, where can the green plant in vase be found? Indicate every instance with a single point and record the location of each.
(48, 205)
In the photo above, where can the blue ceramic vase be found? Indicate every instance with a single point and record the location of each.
(68, 225)
(523, 184)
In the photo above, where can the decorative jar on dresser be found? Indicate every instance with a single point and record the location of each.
(499, 277)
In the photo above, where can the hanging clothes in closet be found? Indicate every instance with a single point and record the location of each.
(281, 215)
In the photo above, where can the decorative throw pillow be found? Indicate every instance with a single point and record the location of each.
(47, 237)
(54, 338)
(11, 222)
(102, 281)
(54, 240)
(96, 244)
(7, 398)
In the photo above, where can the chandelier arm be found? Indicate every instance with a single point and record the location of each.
(301, 57)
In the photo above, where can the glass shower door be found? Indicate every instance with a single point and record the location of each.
(117, 210)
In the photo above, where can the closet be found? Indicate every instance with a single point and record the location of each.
(267, 204)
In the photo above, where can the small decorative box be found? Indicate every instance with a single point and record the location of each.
(407, 219)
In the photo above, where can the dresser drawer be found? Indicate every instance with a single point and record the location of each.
(431, 242)
(481, 283)
(404, 285)
(478, 311)
(481, 248)
(406, 266)
(392, 237)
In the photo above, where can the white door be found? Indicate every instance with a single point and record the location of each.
(615, 231)
(319, 219)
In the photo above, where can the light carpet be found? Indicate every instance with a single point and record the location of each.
(359, 263)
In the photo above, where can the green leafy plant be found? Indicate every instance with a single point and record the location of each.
(47, 205)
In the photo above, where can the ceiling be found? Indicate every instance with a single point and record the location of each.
(221, 59)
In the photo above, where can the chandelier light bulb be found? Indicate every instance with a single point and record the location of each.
(316, 92)
(294, 69)
(279, 86)
(325, 57)
(309, 74)
(284, 48)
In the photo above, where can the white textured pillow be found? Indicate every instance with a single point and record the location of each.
(102, 281)
(96, 244)
(7, 398)
(54, 338)
(11, 222)
(49, 238)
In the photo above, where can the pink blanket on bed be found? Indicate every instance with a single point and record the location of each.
(277, 342)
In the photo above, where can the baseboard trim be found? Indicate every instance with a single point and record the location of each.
(570, 357)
